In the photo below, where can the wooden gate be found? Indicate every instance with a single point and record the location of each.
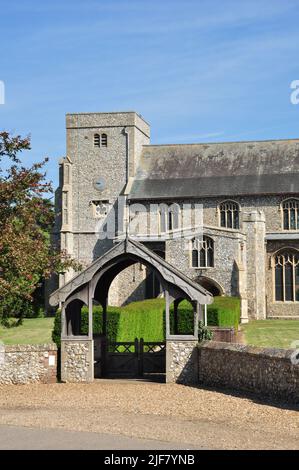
(122, 359)
(134, 359)
(152, 357)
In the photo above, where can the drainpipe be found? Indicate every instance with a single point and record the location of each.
(126, 209)
(128, 155)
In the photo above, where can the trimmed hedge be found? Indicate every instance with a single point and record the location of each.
(224, 311)
(113, 316)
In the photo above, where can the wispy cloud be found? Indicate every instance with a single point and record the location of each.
(190, 138)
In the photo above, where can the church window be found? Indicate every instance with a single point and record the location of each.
(104, 140)
(286, 266)
(100, 209)
(169, 217)
(229, 214)
(290, 210)
(96, 140)
(202, 252)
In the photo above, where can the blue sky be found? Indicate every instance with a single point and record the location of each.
(198, 71)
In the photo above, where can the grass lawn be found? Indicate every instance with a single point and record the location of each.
(32, 331)
(271, 333)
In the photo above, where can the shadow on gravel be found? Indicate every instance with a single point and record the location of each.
(260, 400)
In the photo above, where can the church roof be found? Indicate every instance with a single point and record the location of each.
(219, 169)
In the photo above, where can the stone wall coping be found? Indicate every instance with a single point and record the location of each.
(29, 347)
(252, 350)
(174, 338)
(76, 339)
(220, 328)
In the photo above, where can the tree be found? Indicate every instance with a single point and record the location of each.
(26, 254)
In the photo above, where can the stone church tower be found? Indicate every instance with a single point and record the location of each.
(103, 151)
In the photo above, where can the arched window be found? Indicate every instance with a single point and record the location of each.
(104, 140)
(229, 214)
(96, 140)
(202, 252)
(286, 265)
(290, 210)
(169, 217)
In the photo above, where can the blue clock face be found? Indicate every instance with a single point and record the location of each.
(100, 184)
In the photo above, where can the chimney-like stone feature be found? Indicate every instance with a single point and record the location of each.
(255, 228)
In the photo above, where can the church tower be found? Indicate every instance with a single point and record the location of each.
(103, 151)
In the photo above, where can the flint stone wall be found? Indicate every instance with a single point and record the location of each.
(181, 362)
(77, 360)
(22, 364)
(262, 371)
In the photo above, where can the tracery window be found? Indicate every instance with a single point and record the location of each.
(202, 252)
(169, 217)
(290, 210)
(229, 214)
(286, 265)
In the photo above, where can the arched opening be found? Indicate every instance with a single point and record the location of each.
(74, 324)
(181, 317)
(134, 283)
(211, 286)
(129, 336)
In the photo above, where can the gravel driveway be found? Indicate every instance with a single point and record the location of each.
(166, 412)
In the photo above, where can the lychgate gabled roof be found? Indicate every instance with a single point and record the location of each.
(132, 248)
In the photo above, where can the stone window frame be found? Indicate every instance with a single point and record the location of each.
(290, 201)
(206, 243)
(238, 210)
(100, 140)
(168, 212)
(66, 174)
(104, 204)
(104, 140)
(65, 207)
(282, 257)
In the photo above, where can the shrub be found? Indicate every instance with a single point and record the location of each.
(142, 319)
(146, 319)
(56, 332)
(224, 311)
(113, 314)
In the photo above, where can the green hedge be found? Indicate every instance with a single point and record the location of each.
(143, 319)
(224, 311)
(113, 316)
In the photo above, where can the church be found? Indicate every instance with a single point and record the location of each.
(225, 215)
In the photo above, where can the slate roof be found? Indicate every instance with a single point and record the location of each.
(220, 169)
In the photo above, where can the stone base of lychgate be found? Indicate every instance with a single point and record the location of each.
(77, 360)
(182, 361)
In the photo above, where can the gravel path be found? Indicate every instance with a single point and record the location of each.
(167, 412)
